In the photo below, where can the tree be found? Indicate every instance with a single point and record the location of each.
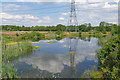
(60, 27)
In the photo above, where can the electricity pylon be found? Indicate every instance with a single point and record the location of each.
(73, 18)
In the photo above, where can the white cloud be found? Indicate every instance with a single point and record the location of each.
(92, 15)
(28, 0)
(51, 63)
(49, 0)
(47, 18)
(11, 5)
(95, 5)
(10, 16)
(61, 18)
(41, 0)
(40, 21)
(67, 13)
(83, 1)
(25, 19)
(107, 5)
(30, 17)
(88, 13)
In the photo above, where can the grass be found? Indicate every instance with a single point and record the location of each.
(103, 40)
(36, 46)
(94, 33)
(14, 43)
(12, 51)
(97, 74)
(51, 42)
(72, 52)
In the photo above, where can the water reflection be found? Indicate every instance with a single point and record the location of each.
(66, 57)
(72, 45)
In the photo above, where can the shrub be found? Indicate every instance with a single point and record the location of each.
(58, 32)
(109, 58)
(17, 34)
(104, 32)
(80, 32)
(34, 36)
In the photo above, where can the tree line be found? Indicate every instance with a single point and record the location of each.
(103, 26)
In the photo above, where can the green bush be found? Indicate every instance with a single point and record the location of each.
(109, 58)
(34, 36)
(58, 32)
(17, 34)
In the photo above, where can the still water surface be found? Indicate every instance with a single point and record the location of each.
(54, 59)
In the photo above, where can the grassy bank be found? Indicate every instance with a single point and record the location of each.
(12, 52)
(108, 58)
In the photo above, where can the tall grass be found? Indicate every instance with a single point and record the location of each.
(12, 52)
(103, 40)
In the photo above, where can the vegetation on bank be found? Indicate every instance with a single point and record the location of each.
(12, 52)
(109, 58)
(36, 36)
(36, 46)
(13, 43)
(51, 42)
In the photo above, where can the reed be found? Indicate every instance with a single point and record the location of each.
(12, 52)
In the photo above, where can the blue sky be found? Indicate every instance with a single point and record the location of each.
(51, 12)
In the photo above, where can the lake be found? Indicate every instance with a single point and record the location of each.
(67, 58)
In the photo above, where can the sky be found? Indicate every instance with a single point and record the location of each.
(53, 12)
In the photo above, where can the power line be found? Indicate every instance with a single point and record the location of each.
(89, 2)
(63, 6)
(49, 8)
(65, 11)
(93, 9)
(73, 18)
